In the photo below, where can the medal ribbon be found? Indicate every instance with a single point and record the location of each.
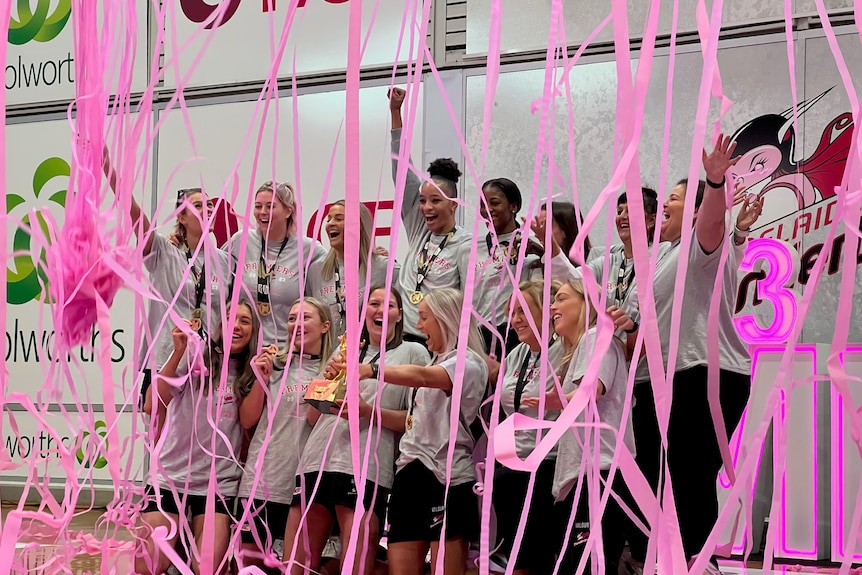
(426, 261)
(199, 279)
(621, 294)
(264, 272)
(513, 254)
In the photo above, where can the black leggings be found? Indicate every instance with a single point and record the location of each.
(693, 456)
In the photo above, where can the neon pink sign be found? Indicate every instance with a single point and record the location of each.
(771, 288)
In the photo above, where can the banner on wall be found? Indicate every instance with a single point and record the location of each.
(40, 59)
(37, 177)
(239, 38)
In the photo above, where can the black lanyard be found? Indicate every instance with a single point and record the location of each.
(513, 253)
(522, 378)
(199, 279)
(426, 261)
(339, 295)
(622, 280)
(362, 355)
(264, 273)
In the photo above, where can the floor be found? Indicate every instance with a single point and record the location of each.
(88, 522)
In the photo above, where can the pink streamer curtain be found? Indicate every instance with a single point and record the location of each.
(93, 253)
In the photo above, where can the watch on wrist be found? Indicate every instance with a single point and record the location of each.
(634, 328)
(374, 371)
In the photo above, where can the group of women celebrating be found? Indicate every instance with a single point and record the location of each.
(238, 334)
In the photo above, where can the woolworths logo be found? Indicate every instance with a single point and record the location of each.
(42, 24)
(89, 453)
(25, 280)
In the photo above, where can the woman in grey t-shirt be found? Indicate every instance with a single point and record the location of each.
(326, 277)
(528, 374)
(271, 259)
(202, 386)
(327, 479)
(277, 412)
(575, 322)
(446, 389)
(434, 258)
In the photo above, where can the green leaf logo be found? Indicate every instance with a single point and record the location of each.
(39, 25)
(23, 280)
(95, 460)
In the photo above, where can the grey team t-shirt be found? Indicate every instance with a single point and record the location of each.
(493, 284)
(699, 283)
(285, 410)
(526, 439)
(428, 441)
(447, 270)
(331, 433)
(166, 265)
(284, 287)
(325, 290)
(191, 442)
(613, 373)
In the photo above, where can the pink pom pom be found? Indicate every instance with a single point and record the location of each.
(80, 277)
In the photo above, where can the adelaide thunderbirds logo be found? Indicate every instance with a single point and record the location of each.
(41, 24)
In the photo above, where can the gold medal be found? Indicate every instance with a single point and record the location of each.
(197, 317)
(409, 423)
(416, 297)
(264, 308)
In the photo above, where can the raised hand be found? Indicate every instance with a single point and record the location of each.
(752, 207)
(396, 98)
(717, 162)
(263, 362)
(181, 338)
(621, 319)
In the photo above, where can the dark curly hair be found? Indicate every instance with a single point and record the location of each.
(445, 173)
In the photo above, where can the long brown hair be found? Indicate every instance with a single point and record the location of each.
(214, 355)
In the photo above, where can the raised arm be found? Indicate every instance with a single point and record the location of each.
(433, 376)
(140, 222)
(251, 407)
(410, 206)
(709, 227)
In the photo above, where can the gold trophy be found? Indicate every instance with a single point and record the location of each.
(323, 393)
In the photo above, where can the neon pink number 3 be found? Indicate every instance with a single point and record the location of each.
(771, 288)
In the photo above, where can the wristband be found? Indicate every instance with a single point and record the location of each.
(712, 184)
(634, 328)
(374, 371)
(740, 233)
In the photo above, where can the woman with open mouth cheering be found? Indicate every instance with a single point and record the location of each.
(271, 261)
(428, 213)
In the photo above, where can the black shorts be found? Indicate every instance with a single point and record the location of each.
(539, 542)
(416, 508)
(194, 505)
(267, 518)
(339, 489)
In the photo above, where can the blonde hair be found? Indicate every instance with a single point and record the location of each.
(325, 339)
(284, 192)
(447, 305)
(586, 320)
(366, 223)
(536, 290)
